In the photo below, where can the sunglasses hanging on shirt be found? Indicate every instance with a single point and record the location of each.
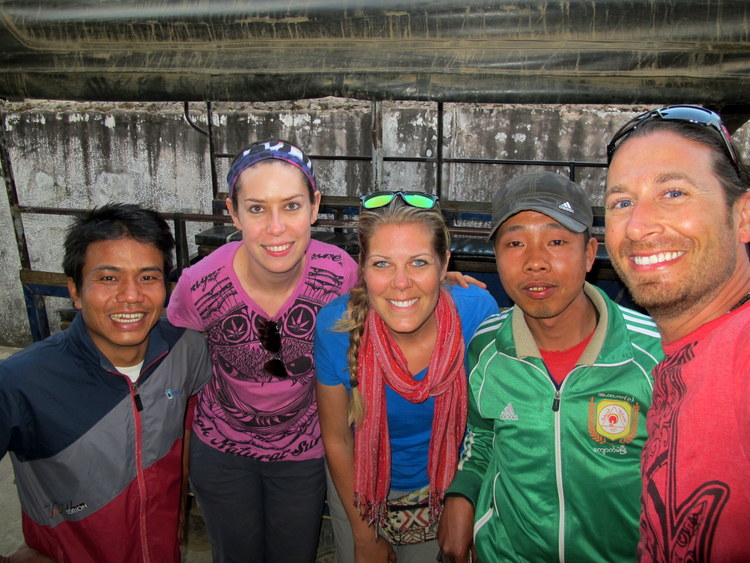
(270, 340)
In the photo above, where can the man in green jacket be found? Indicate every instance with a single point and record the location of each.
(559, 389)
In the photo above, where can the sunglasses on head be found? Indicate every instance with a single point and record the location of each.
(690, 114)
(270, 340)
(415, 199)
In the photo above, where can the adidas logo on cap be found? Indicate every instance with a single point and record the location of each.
(566, 207)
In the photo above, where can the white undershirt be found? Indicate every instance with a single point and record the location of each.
(132, 371)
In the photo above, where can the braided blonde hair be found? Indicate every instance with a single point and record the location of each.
(353, 321)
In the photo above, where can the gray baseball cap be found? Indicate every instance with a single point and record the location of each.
(545, 192)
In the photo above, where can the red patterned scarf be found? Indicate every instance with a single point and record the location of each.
(381, 361)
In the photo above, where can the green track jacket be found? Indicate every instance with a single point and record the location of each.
(554, 474)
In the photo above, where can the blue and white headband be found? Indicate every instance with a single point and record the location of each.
(274, 149)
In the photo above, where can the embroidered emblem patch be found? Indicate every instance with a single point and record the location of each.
(613, 420)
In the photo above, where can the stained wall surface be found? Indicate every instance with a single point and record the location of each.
(79, 155)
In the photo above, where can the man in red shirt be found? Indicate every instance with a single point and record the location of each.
(677, 225)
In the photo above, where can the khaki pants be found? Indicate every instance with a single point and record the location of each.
(342, 535)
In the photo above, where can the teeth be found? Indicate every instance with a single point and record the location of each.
(408, 303)
(279, 248)
(657, 258)
(127, 317)
(537, 288)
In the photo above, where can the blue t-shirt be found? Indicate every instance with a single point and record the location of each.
(409, 424)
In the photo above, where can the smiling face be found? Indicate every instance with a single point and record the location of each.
(121, 297)
(274, 213)
(669, 232)
(403, 275)
(542, 265)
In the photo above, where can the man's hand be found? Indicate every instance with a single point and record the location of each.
(455, 531)
(25, 554)
(377, 550)
(457, 278)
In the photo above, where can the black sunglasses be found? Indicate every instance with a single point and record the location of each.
(270, 340)
(690, 114)
(421, 200)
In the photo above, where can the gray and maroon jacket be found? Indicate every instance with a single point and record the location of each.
(98, 459)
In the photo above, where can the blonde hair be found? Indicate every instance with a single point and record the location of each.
(353, 321)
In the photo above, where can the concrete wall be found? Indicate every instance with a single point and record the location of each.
(79, 155)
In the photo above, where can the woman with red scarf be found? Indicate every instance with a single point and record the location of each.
(392, 382)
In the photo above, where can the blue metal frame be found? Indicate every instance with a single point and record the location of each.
(33, 294)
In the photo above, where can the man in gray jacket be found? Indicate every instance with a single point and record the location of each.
(94, 416)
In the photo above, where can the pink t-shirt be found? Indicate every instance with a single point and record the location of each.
(696, 461)
(245, 410)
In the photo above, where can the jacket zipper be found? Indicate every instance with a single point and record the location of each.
(138, 407)
(137, 402)
(558, 476)
(558, 464)
(139, 459)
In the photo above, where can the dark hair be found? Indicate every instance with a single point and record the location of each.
(115, 221)
(734, 181)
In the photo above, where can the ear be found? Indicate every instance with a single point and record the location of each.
(315, 206)
(445, 265)
(233, 214)
(591, 247)
(74, 293)
(743, 220)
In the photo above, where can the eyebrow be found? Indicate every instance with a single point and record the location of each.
(258, 200)
(670, 176)
(118, 269)
(428, 254)
(616, 189)
(663, 178)
(552, 225)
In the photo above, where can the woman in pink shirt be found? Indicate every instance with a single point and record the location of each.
(256, 455)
